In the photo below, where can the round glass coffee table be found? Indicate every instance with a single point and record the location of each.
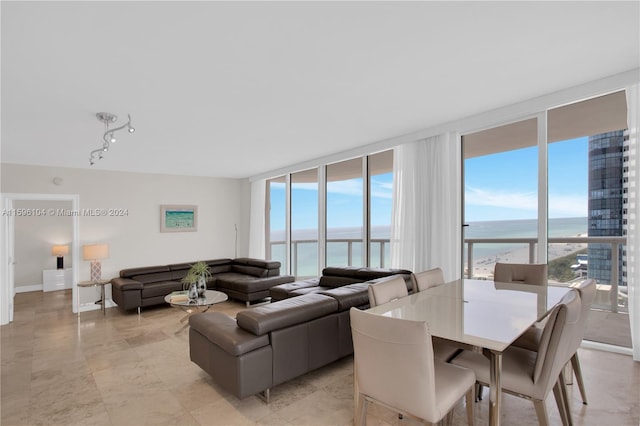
(201, 304)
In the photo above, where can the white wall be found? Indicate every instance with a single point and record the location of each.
(134, 238)
(34, 237)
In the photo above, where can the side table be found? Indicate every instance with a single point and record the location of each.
(96, 283)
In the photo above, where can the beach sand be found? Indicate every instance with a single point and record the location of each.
(483, 267)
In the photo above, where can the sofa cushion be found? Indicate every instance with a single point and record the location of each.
(153, 278)
(332, 281)
(218, 262)
(161, 288)
(283, 291)
(371, 273)
(180, 266)
(274, 316)
(348, 296)
(130, 273)
(247, 284)
(249, 270)
(341, 271)
(223, 331)
(308, 290)
(259, 263)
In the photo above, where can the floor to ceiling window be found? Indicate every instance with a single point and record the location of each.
(380, 167)
(277, 222)
(345, 217)
(357, 216)
(500, 196)
(581, 177)
(304, 223)
(586, 208)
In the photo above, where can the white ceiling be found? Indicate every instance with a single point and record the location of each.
(235, 89)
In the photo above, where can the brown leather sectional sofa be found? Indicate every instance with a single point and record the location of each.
(270, 344)
(243, 279)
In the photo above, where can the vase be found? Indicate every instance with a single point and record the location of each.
(193, 291)
(202, 286)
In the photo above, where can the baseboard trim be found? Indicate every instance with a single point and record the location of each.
(588, 344)
(86, 307)
(28, 288)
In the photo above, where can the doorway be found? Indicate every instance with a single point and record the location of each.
(7, 251)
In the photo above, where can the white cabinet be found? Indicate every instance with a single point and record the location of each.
(56, 279)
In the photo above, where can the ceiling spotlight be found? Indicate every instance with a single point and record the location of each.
(108, 137)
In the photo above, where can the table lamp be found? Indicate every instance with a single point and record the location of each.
(95, 252)
(60, 252)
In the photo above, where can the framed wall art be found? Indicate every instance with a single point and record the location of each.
(178, 218)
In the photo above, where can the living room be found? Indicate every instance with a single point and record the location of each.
(204, 144)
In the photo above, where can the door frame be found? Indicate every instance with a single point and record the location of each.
(7, 227)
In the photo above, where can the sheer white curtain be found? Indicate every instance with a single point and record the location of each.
(426, 216)
(633, 218)
(257, 230)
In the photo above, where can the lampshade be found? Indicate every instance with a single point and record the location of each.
(95, 251)
(59, 250)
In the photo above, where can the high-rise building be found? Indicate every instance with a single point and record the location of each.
(607, 201)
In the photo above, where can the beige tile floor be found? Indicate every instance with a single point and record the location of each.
(125, 369)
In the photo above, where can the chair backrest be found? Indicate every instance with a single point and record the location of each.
(555, 344)
(427, 279)
(387, 290)
(522, 273)
(587, 290)
(393, 361)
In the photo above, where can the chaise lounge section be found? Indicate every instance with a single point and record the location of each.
(334, 277)
(244, 279)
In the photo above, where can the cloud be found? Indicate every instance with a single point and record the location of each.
(572, 205)
(345, 187)
(501, 199)
(381, 189)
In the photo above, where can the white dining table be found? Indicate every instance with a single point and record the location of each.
(480, 315)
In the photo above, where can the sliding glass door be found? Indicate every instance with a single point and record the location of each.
(500, 197)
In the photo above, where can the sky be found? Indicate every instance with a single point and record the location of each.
(505, 186)
(497, 187)
(344, 203)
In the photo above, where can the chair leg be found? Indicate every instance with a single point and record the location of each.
(469, 401)
(478, 392)
(565, 397)
(575, 363)
(560, 402)
(541, 412)
(449, 418)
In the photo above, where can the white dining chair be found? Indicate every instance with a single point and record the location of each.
(387, 290)
(532, 375)
(531, 338)
(523, 273)
(394, 367)
(427, 279)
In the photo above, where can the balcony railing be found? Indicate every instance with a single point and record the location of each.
(378, 253)
(609, 296)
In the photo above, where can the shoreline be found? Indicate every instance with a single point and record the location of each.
(483, 267)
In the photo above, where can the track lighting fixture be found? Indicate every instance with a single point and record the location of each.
(108, 137)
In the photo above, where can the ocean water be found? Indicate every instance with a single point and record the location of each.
(527, 228)
(337, 252)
